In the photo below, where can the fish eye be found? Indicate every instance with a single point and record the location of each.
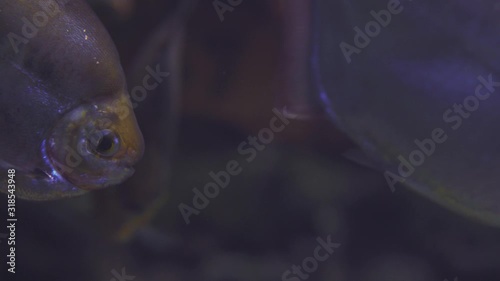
(105, 143)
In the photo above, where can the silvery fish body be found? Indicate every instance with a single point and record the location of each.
(66, 124)
(417, 85)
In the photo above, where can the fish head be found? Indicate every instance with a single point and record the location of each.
(95, 145)
(66, 121)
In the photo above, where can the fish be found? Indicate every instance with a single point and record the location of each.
(67, 125)
(415, 85)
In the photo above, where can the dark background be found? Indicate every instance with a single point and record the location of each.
(226, 79)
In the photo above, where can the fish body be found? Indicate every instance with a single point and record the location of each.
(66, 124)
(415, 84)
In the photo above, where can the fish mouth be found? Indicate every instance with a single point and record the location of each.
(117, 176)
